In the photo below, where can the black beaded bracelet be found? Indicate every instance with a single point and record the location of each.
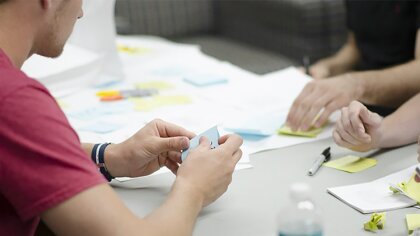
(98, 157)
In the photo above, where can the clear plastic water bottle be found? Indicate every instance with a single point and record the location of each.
(300, 217)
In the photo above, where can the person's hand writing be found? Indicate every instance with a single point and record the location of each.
(321, 97)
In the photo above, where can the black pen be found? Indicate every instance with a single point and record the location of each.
(324, 157)
(306, 64)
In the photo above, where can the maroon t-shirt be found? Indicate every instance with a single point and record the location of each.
(41, 160)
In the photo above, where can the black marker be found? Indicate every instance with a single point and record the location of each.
(306, 64)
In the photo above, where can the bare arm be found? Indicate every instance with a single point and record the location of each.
(201, 179)
(388, 87)
(393, 86)
(98, 211)
(403, 126)
(341, 62)
(361, 130)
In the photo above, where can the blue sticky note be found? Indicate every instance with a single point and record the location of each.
(101, 127)
(205, 80)
(101, 110)
(260, 125)
(212, 134)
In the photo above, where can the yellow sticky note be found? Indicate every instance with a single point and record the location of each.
(143, 104)
(133, 50)
(413, 222)
(159, 85)
(412, 189)
(312, 133)
(351, 164)
(377, 221)
(172, 100)
(148, 104)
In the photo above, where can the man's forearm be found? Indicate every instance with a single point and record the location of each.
(345, 59)
(389, 87)
(402, 127)
(178, 214)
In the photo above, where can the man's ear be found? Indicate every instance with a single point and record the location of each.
(45, 4)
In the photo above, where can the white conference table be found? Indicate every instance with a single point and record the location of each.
(252, 203)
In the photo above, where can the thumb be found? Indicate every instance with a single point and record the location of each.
(370, 118)
(174, 144)
(204, 142)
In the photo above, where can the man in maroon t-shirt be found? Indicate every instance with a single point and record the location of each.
(45, 173)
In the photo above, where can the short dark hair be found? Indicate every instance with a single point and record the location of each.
(3, 1)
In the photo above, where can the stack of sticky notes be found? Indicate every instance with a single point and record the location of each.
(311, 133)
(351, 164)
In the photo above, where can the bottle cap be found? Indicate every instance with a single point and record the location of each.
(300, 191)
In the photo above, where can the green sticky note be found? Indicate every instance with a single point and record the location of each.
(312, 133)
(351, 164)
(413, 222)
(159, 85)
(376, 222)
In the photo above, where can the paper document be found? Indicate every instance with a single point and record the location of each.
(375, 196)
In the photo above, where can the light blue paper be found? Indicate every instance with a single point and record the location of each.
(212, 134)
(103, 109)
(205, 80)
(101, 127)
(261, 125)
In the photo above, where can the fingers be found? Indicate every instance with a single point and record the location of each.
(231, 143)
(370, 118)
(173, 144)
(353, 125)
(167, 129)
(317, 105)
(353, 115)
(345, 135)
(418, 149)
(339, 141)
(299, 106)
(175, 156)
(204, 143)
(172, 166)
(237, 156)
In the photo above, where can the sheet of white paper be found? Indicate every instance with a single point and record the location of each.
(96, 31)
(89, 58)
(375, 196)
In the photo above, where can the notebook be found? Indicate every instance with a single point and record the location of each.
(375, 196)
